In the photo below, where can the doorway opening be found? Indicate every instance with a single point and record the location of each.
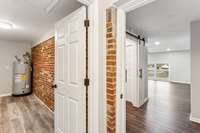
(167, 59)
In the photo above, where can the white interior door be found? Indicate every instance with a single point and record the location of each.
(145, 67)
(140, 72)
(70, 100)
(131, 71)
(142, 76)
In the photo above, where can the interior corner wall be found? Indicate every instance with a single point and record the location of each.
(43, 57)
(195, 82)
(179, 62)
(8, 50)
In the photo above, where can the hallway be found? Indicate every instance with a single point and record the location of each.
(167, 111)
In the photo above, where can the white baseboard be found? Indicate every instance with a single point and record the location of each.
(172, 81)
(6, 94)
(180, 82)
(145, 100)
(136, 105)
(43, 104)
(139, 105)
(197, 120)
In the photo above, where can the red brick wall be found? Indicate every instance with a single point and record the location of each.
(111, 70)
(43, 71)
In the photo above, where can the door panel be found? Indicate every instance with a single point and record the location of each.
(131, 68)
(76, 72)
(61, 58)
(73, 109)
(145, 73)
(60, 78)
(73, 64)
(70, 73)
(142, 74)
(59, 112)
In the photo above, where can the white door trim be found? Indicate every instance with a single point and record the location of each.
(93, 71)
(97, 64)
(120, 88)
(93, 89)
(121, 28)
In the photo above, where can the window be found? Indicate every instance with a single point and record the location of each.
(151, 71)
(158, 72)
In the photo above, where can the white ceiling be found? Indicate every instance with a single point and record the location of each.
(31, 19)
(121, 2)
(166, 21)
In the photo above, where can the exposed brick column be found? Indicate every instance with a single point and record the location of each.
(111, 69)
(43, 57)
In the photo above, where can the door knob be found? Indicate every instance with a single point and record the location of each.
(140, 73)
(54, 86)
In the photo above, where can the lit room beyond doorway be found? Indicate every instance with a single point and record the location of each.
(158, 68)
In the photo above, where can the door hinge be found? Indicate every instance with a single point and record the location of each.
(54, 86)
(121, 96)
(86, 81)
(140, 73)
(87, 23)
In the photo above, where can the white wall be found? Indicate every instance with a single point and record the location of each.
(179, 61)
(195, 82)
(8, 50)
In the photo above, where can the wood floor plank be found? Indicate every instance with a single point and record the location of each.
(24, 115)
(17, 126)
(5, 120)
(167, 111)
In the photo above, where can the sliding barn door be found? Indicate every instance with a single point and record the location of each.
(142, 74)
(131, 71)
(70, 100)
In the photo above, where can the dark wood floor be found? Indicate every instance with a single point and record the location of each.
(24, 115)
(167, 111)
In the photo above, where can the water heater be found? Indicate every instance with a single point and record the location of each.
(21, 79)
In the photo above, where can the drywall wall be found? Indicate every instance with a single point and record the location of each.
(8, 50)
(179, 62)
(195, 82)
